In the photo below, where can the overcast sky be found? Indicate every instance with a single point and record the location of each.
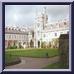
(19, 15)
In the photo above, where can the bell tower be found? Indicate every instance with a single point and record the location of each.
(41, 23)
(44, 17)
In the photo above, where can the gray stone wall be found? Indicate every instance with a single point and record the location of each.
(64, 50)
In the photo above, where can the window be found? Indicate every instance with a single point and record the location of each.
(65, 23)
(32, 34)
(55, 34)
(67, 32)
(15, 36)
(9, 36)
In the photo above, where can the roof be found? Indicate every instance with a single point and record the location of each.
(14, 31)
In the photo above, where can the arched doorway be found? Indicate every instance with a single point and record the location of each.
(31, 44)
(38, 44)
(9, 43)
(20, 45)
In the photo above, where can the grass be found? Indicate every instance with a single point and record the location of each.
(10, 59)
(33, 53)
(12, 54)
(57, 65)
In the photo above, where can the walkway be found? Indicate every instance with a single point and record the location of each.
(33, 63)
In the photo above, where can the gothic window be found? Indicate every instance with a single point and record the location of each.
(32, 34)
(38, 43)
(9, 36)
(65, 23)
(15, 36)
(55, 34)
(31, 43)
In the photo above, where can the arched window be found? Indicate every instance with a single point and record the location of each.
(9, 36)
(55, 34)
(38, 44)
(65, 23)
(31, 43)
(32, 33)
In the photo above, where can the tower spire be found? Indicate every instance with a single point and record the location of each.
(44, 17)
(44, 10)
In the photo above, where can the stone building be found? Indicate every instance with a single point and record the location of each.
(14, 36)
(41, 32)
(48, 33)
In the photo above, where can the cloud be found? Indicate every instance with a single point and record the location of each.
(26, 14)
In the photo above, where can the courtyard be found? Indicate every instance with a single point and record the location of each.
(31, 58)
(40, 43)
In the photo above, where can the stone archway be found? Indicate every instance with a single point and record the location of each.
(31, 43)
(38, 44)
(9, 43)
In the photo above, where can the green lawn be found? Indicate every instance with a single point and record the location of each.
(12, 54)
(33, 53)
(9, 58)
(57, 65)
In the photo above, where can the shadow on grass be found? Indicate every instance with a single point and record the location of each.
(11, 60)
(57, 65)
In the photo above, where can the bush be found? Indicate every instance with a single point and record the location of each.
(12, 47)
(43, 45)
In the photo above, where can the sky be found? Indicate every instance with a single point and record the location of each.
(24, 15)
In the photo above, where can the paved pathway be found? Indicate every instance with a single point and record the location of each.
(33, 63)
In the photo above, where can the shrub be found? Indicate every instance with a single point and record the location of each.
(43, 44)
(12, 47)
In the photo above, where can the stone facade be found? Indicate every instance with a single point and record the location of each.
(64, 49)
(14, 37)
(46, 32)
(41, 32)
